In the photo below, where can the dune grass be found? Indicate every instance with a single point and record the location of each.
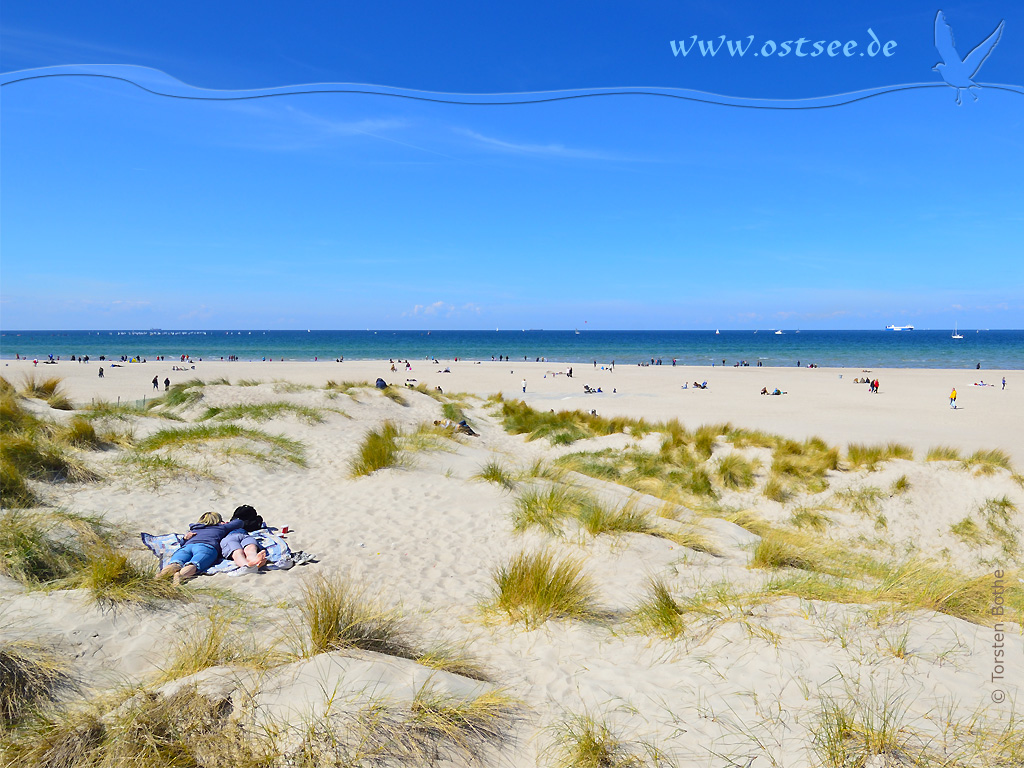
(31, 675)
(235, 440)
(107, 410)
(814, 518)
(455, 659)
(140, 728)
(803, 466)
(38, 548)
(114, 577)
(782, 549)
(548, 508)
(853, 732)
(461, 729)
(912, 584)
(900, 486)
(969, 532)
(987, 462)
(378, 450)
(495, 472)
(735, 472)
(863, 500)
(943, 453)
(152, 470)
(337, 614)
(659, 612)
(582, 740)
(561, 428)
(261, 412)
(214, 639)
(535, 587)
(184, 395)
(36, 449)
(860, 456)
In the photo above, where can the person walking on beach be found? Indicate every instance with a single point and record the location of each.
(156, 383)
(952, 398)
(101, 371)
(167, 384)
(1004, 382)
(524, 386)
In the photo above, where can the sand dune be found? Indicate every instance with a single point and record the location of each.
(752, 672)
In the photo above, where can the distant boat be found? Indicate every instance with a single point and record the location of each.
(778, 333)
(955, 334)
(899, 327)
(577, 331)
(717, 331)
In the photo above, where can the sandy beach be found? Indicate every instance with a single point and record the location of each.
(742, 662)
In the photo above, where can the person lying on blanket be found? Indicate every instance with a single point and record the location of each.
(201, 548)
(240, 547)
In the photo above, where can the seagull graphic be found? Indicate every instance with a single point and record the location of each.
(956, 72)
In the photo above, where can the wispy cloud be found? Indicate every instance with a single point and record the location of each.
(443, 309)
(541, 150)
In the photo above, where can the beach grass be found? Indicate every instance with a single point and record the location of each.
(735, 472)
(493, 471)
(336, 614)
(461, 729)
(860, 456)
(32, 675)
(533, 588)
(135, 727)
(214, 639)
(659, 612)
(234, 439)
(582, 740)
(855, 731)
(455, 659)
(943, 453)
(987, 462)
(37, 548)
(378, 450)
(113, 576)
(183, 395)
(261, 412)
(547, 508)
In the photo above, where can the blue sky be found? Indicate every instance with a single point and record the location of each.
(122, 209)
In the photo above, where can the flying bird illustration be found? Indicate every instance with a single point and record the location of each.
(956, 72)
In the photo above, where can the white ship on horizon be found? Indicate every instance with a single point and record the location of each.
(899, 327)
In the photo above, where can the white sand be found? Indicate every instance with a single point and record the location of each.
(427, 536)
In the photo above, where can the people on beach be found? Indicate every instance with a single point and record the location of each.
(524, 386)
(201, 548)
(101, 372)
(952, 398)
(156, 382)
(1004, 382)
(240, 547)
(167, 385)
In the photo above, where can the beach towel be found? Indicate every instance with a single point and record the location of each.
(279, 555)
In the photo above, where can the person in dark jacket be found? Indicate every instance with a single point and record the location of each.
(201, 549)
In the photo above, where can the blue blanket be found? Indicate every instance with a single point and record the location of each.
(279, 554)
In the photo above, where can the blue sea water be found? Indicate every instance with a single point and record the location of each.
(871, 348)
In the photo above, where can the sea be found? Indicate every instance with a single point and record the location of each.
(991, 349)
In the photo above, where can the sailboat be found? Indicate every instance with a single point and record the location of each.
(716, 331)
(577, 331)
(955, 334)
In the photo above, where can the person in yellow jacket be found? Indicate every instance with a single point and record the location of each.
(952, 398)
